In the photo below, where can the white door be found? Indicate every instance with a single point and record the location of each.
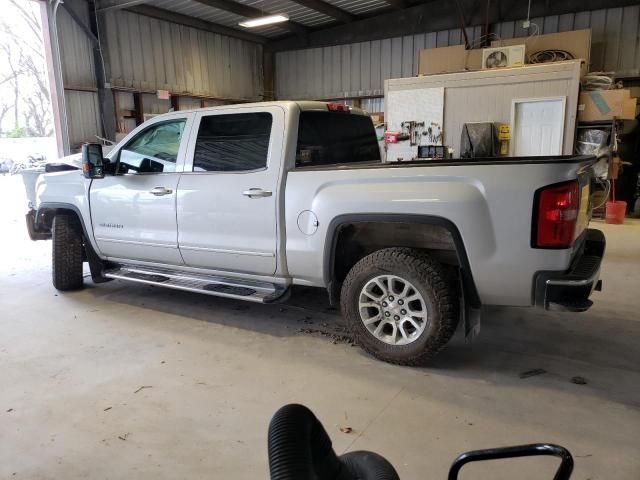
(538, 127)
(228, 193)
(134, 213)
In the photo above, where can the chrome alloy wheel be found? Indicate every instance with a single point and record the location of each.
(393, 310)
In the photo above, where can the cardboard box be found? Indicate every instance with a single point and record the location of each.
(576, 42)
(448, 60)
(377, 117)
(606, 104)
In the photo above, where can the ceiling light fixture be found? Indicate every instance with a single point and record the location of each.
(261, 21)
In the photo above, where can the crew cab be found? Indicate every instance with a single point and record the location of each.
(246, 201)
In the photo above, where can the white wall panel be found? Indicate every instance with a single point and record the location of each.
(485, 96)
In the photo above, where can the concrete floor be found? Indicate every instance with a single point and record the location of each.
(72, 367)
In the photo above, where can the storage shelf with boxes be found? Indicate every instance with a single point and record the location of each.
(575, 45)
(599, 105)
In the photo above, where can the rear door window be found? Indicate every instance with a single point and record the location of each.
(236, 142)
(335, 138)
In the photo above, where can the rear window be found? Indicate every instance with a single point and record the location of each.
(335, 138)
(236, 142)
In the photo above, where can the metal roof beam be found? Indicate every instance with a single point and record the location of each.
(252, 12)
(167, 16)
(397, 3)
(105, 5)
(327, 9)
(76, 18)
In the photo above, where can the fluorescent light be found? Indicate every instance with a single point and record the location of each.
(268, 20)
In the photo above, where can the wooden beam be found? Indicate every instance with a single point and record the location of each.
(252, 12)
(327, 9)
(167, 16)
(433, 16)
(139, 109)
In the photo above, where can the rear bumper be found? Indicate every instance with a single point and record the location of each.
(570, 291)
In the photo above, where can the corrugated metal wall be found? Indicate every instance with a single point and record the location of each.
(360, 69)
(78, 73)
(83, 116)
(354, 70)
(615, 36)
(148, 54)
(76, 53)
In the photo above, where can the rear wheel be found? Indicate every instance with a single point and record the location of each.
(400, 306)
(67, 252)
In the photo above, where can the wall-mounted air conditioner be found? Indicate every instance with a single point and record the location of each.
(498, 57)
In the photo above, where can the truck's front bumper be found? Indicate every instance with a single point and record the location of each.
(34, 232)
(570, 291)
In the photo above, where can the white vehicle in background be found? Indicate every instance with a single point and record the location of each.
(246, 201)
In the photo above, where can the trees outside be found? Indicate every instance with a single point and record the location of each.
(25, 103)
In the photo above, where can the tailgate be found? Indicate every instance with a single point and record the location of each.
(585, 177)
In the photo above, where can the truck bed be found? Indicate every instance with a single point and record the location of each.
(490, 201)
(458, 162)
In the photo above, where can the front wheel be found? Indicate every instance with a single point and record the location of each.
(67, 245)
(400, 306)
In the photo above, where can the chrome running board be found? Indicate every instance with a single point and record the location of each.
(210, 285)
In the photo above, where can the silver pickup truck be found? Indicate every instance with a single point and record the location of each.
(246, 201)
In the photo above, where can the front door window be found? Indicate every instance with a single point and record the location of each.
(154, 150)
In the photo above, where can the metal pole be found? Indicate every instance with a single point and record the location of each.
(48, 12)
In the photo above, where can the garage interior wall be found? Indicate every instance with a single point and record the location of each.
(360, 69)
(142, 54)
(79, 77)
(146, 54)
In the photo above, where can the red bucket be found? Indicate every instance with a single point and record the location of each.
(615, 211)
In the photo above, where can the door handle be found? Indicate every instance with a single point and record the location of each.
(257, 193)
(159, 191)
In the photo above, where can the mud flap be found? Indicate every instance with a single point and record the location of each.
(96, 265)
(34, 232)
(470, 317)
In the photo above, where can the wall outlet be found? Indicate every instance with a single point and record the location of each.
(526, 23)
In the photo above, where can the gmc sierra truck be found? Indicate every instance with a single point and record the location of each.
(246, 201)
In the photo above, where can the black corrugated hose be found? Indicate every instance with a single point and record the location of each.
(300, 449)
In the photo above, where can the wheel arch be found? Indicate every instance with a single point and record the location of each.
(48, 210)
(451, 242)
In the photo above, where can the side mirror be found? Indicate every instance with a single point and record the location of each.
(92, 160)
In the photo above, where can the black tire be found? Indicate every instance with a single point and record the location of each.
(67, 249)
(429, 278)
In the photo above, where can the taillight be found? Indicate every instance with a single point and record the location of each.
(556, 215)
(338, 107)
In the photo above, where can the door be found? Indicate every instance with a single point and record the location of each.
(228, 194)
(538, 126)
(134, 213)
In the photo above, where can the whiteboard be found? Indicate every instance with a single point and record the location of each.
(420, 105)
